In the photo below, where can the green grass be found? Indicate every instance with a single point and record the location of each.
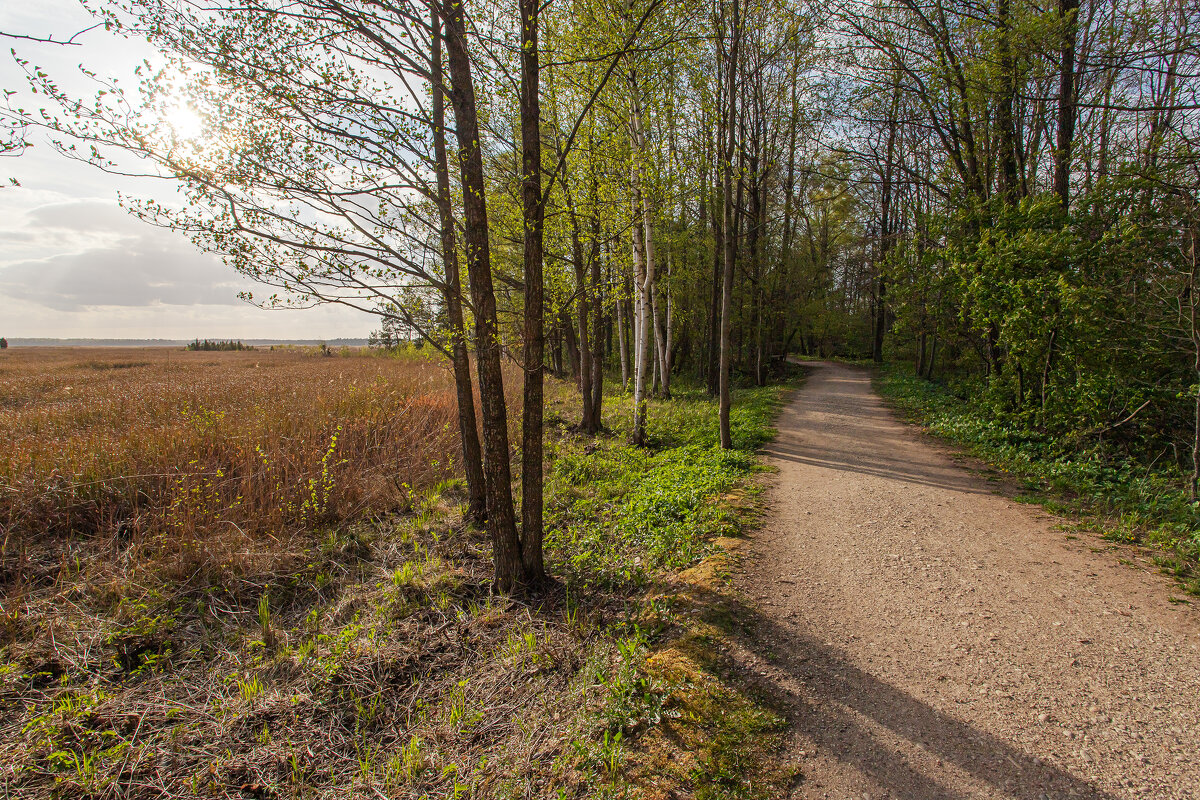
(617, 513)
(1124, 500)
(624, 522)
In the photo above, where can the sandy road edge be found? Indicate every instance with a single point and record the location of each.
(1076, 523)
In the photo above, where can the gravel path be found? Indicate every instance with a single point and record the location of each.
(932, 639)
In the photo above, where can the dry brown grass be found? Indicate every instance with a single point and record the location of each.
(205, 458)
(246, 575)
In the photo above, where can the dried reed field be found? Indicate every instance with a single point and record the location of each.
(196, 454)
(179, 527)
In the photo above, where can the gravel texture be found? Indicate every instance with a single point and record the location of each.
(932, 639)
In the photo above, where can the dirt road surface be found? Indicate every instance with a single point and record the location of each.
(932, 639)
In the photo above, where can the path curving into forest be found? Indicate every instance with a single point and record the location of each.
(932, 639)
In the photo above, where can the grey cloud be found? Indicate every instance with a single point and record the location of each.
(155, 267)
(91, 216)
(60, 227)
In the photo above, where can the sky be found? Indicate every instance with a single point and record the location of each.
(73, 263)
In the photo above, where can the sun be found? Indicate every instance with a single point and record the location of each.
(184, 122)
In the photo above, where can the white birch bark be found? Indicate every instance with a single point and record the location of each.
(643, 265)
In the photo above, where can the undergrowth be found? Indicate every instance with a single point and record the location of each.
(650, 525)
(1124, 500)
(367, 656)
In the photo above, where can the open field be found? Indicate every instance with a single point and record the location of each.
(247, 575)
(199, 455)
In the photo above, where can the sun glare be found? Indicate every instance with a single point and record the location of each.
(185, 123)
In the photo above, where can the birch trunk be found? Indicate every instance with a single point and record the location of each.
(643, 267)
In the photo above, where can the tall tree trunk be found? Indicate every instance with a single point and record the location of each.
(623, 336)
(1047, 366)
(506, 546)
(718, 230)
(1008, 178)
(885, 231)
(583, 305)
(654, 362)
(640, 352)
(643, 260)
(533, 211)
(662, 347)
(1068, 11)
(669, 333)
(1163, 96)
(714, 315)
(570, 333)
(452, 293)
(596, 421)
(650, 291)
(1194, 333)
(880, 322)
(739, 224)
(556, 352)
(753, 247)
(704, 187)
(933, 348)
(730, 235)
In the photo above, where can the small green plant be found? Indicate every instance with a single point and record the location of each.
(365, 713)
(269, 639)
(611, 752)
(409, 575)
(413, 759)
(250, 688)
(83, 766)
(320, 487)
(366, 762)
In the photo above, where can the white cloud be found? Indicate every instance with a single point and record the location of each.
(20, 318)
(101, 256)
(84, 215)
(142, 271)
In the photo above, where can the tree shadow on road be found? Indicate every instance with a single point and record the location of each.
(854, 716)
(953, 479)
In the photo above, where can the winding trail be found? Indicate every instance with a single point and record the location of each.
(932, 639)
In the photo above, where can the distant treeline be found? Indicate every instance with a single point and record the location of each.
(207, 345)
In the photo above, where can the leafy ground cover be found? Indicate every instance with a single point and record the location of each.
(362, 653)
(1122, 499)
(658, 527)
